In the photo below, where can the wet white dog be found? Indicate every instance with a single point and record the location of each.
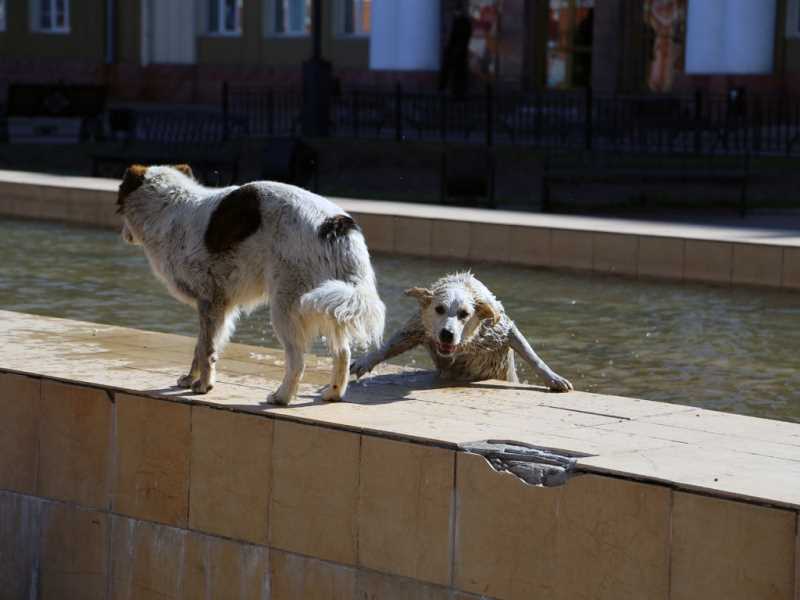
(230, 249)
(467, 334)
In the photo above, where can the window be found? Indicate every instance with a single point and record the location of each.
(665, 38)
(2, 15)
(570, 31)
(353, 17)
(225, 17)
(288, 17)
(730, 37)
(484, 42)
(50, 16)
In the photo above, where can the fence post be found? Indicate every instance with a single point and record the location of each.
(225, 127)
(398, 112)
(443, 114)
(355, 113)
(588, 122)
(271, 111)
(489, 115)
(698, 115)
(757, 125)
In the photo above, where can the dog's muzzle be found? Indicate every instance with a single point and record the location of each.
(444, 344)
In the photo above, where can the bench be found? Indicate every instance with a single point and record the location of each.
(645, 169)
(468, 176)
(46, 113)
(207, 141)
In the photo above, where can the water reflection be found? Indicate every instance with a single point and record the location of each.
(726, 349)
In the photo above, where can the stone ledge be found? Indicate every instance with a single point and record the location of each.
(741, 254)
(223, 496)
(724, 455)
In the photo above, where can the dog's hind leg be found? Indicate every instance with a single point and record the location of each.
(341, 373)
(292, 336)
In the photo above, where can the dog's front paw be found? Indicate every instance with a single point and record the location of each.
(360, 367)
(559, 384)
(186, 381)
(202, 387)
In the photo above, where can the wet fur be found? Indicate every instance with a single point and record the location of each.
(486, 339)
(228, 250)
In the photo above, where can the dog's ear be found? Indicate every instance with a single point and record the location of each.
(131, 181)
(484, 310)
(185, 169)
(423, 295)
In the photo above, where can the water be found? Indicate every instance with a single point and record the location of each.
(721, 348)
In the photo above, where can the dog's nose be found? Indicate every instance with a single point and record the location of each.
(446, 336)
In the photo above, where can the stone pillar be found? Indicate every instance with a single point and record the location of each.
(608, 45)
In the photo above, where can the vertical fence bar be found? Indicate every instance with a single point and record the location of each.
(588, 119)
(443, 115)
(698, 116)
(489, 115)
(398, 112)
(355, 113)
(271, 111)
(225, 128)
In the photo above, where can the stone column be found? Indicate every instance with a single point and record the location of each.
(608, 45)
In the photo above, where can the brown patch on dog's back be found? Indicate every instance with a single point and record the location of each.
(337, 226)
(131, 181)
(236, 217)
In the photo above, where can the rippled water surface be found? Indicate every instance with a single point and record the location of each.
(735, 350)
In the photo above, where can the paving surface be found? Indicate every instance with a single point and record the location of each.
(694, 449)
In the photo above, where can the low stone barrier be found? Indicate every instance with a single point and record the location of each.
(113, 484)
(720, 255)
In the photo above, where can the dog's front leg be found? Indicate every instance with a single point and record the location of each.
(520, 345)
(410, 336)
(292, 337)
(212, 320)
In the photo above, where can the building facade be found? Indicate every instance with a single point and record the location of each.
(182, 50)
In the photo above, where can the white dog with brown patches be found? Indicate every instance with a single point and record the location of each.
(228, 250)
(467, 334)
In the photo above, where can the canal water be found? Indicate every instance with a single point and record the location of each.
(722, 348)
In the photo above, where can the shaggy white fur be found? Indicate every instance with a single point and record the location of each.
(467, 334)
(229, 250)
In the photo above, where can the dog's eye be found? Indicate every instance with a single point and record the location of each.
(440, 310)
(462, 314)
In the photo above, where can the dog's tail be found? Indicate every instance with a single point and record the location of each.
(356, 308)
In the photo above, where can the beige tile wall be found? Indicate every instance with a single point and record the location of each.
(151, 471)
(621, 253)
(74, 444)
(406, 529)
(314, 490)
(314, 512)
(231, 468)
(731, 550)
(19, 432)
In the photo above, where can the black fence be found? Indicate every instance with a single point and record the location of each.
(736, 123)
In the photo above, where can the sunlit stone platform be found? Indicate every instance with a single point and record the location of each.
(373, 497)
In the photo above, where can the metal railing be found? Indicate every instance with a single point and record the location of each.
(702, 124)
